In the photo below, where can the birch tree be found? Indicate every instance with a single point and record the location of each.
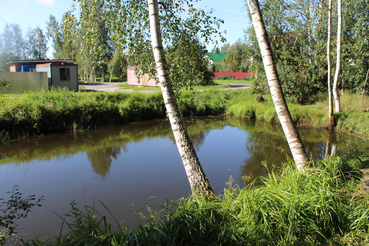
(338, 63)
(330, 98)
(191, 163)
(293, 138)
(141, 28)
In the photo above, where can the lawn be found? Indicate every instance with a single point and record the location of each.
(147, 88)
(233, 81)
(113, 79)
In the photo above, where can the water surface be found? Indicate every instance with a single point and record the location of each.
(139, 164)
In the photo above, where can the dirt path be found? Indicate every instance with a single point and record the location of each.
(112, 87)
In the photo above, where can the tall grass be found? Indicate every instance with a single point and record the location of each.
(287, 208)
(60, 110)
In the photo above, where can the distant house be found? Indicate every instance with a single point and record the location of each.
(33, 75)
(145, 80)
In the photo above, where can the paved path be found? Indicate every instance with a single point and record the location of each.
(112, 87)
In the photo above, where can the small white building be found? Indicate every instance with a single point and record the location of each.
(60, 73)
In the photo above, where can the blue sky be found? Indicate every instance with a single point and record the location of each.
(33, 13)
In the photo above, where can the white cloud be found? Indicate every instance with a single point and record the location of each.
(47, 2)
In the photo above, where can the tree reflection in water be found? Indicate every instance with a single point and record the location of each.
(198, 139)
(267, 151)
(101, 159)
(264, 143)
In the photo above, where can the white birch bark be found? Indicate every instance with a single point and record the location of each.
(338, 64)
(191, 163)
(293, 138)
(366, 80)
(308, 16)
(330, 98)
(334, 150)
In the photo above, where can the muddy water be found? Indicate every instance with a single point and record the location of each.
(139, 164)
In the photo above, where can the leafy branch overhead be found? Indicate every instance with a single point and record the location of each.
(126, 23)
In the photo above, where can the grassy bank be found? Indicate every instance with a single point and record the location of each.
(316, 207)
(61, 110)
(354, 118)
(156, 88)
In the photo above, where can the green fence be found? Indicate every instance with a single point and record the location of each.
(23, 82)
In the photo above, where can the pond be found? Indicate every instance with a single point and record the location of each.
(139, 164)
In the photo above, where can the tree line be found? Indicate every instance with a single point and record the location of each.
(237, 58)
(14, 47)
(98, 38)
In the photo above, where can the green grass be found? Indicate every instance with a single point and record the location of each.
(353, 119)
(354, 115)
(146, 88)
(60, 110)
(211, 87)
(288, 207)
(139, 88)
(113, 79)
(233, 81)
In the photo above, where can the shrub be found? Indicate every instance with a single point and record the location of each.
(225, 77)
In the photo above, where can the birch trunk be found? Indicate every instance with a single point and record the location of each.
(327, 148)
(338, 64)
(292, 135)
(330, 98)
(366, 80)
(102, 76)
(308, 16)
(330, 139)
(334, 150)
(191, 163)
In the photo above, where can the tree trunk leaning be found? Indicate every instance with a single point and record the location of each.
(338, 63)
(292, 135)
(195, 174)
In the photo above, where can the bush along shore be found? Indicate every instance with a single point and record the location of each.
(320, 206)
(61, 110)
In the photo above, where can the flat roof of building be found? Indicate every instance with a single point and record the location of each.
(41, 61)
